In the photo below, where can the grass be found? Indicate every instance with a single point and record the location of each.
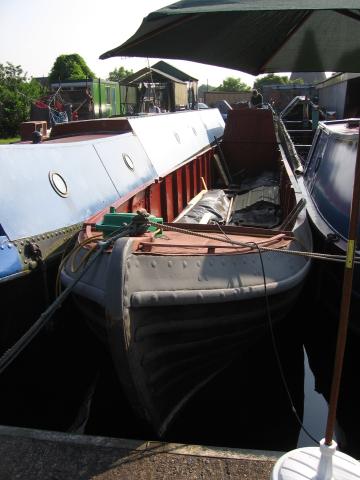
(4, 141)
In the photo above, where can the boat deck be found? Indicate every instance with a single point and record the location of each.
(74, 138)
(81, 138)
(176, 243)
(40, 455)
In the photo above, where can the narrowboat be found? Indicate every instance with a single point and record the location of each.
(327, 185)
(82, 168)
(48, 189)
(208, 272)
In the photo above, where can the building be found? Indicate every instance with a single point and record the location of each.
(280, 95)
(92, 98)
(211, 98)
(309, 78)
(161, 84)
(78, 100)
(339, 95)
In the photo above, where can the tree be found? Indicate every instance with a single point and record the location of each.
(231, 84)
(17, 92)
(70, 67)
(204, 88)
(272, 79)
(119, 74)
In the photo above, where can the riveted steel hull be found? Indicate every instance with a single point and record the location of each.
(179, 307)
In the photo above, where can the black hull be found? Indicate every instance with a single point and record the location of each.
(328, 282)
(175, 350)
(22, 301)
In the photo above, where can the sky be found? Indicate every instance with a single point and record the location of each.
(34, 32)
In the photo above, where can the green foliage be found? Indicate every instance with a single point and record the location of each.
(298, 81)
(70, 67)
(119, 74)
(5, 141)
(17, 92)
(204, 88)
(231, 84)
(272, 79)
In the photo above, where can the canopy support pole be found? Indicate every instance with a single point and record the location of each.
(345, 303)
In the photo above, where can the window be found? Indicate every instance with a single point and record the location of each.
(108, 97)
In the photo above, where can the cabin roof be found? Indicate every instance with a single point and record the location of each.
(348, 127)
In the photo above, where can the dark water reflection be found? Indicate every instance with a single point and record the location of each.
(248, 406)
(315, 409)
(65, 381)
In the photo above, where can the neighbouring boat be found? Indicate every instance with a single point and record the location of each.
(298, 124)
(81, 169)
(48, 189)
(184, 297)
(327, 186)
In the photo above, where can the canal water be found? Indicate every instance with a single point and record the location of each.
(65, 381)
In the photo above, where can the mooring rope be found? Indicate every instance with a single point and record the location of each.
(274, 345)
(10, 355)
(251, 245)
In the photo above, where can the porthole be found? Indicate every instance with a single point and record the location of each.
(177, 136)
(58, 184)
(128, 162)
(194, 130)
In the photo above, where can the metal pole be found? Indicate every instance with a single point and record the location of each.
(100, 100)
(345, 303)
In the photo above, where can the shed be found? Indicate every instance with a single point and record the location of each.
(164, 85)
(91, 98)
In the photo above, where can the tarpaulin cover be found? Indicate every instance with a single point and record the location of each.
(259, 207)
(215, 203)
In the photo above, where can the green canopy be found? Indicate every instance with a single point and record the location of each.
(254, 36)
